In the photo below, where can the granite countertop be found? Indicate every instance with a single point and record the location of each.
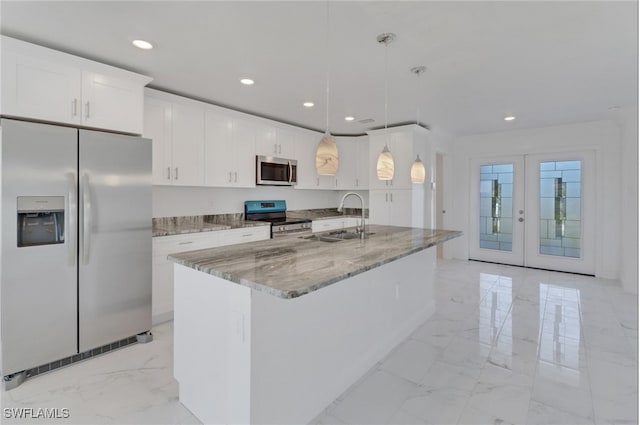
(290, 266)
(167, 226)
(327, 213)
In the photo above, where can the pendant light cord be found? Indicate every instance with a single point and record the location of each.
(386, 84)
(328, 67)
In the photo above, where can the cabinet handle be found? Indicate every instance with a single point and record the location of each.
(74, 107)
(336, 182)
(317, 181)
(168, 173)
(185, 243)
(357, 183)
(87, 114)
(235, 177)
(246, 235)
(229, 176)
(386, 197)
(391, 197)
(275, 148)
(279, 148)
(176, 173)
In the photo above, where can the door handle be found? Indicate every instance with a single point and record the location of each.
(290, 172)
(86, 219)
(72, 213)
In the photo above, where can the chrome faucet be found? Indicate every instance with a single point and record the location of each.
(362, 229)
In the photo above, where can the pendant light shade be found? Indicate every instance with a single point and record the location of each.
(385, 166)
(417, 171)
(327, 156)
(327, 150)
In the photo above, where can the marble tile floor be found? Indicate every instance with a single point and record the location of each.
(506, 345)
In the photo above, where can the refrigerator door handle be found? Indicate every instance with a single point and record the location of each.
(86, 219)
(72, 213)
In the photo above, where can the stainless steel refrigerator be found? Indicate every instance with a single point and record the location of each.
(76, 243)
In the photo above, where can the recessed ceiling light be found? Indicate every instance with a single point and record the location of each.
(308, 104)
(247, 81)
(509, 118)
(349, 118)
(141, 44)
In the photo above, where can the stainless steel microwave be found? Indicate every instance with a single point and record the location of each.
(276, 171)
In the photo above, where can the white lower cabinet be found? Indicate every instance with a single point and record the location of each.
(328, 224)
(162, 303)
(393, 207)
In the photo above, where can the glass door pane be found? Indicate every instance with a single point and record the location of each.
(496, 207)
(560, 208)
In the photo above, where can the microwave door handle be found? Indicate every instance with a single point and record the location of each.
(290, 172)
(72, 213)
(86, 219)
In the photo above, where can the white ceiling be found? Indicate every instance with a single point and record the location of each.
(546, 63)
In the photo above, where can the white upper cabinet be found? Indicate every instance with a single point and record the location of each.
(176, 126)
(266, 139)
(188, 145)
(158, 128)
(112, 102)
(308, 178)
(229, 150)
(44, 84)
(272, 140)
(353, 168)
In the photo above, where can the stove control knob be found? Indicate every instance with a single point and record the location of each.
(282, 228)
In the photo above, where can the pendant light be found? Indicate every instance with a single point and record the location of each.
(418, 171)
(327, 151)
(385, 166)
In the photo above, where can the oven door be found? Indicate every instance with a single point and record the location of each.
(276, 171)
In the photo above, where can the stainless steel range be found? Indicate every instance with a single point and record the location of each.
(275, 212)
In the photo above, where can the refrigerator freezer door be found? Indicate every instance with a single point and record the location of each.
(38, 288)
(115, 237)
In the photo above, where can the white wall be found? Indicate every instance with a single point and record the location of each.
(603, 137)
(177, 201)
(627, 119)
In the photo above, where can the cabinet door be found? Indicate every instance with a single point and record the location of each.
(286, 141)
(363, 163)
(266, 140)
(347, 163)
(379, 207)
(188, 145)
(244, 147)
(162, 288)
(218, 150)
(401, 146)
(40, 88)
(157, 127)
(112, 103)
(401, 208)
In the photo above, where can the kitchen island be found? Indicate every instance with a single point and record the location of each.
(273, 331)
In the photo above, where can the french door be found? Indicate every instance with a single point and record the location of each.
(534, 211)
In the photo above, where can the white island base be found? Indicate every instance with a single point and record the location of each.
(243, 356)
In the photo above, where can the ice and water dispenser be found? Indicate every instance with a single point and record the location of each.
(40, 220)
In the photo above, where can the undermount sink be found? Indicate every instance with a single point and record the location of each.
(338, 236)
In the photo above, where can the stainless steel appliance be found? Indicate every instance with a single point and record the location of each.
(75, 273)
(275, 212)
(276, 171)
